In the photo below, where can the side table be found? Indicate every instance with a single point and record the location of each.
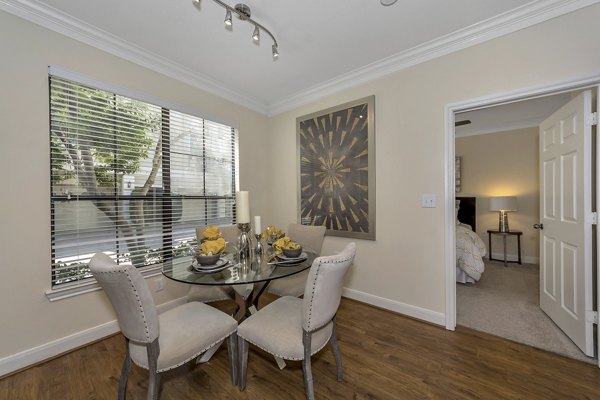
(504, 235)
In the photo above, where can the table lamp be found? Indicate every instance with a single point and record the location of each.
(503, 204)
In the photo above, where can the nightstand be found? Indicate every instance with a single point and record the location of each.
(504, 236)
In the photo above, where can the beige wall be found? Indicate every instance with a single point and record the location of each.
(404, 269)
(28, 318)
(504, 164)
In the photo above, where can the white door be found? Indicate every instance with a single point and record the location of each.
(565, 212)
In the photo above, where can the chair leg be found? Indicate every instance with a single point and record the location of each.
(336, 351)
(232, 351)
(306, 366)
(125, 372)
(243, 356)
(152, 350)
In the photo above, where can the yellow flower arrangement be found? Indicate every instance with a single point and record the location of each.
(212, 233)
(272, 233)
(211, 247)
(284, 243)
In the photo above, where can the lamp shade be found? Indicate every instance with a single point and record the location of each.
(503, 203)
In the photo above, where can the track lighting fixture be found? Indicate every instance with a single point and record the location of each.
(243, 12)
(256, 34)
(228, 18)
(387, 2)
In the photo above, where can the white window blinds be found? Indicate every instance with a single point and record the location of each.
(132, 179)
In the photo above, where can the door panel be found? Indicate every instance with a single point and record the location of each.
(565, 188)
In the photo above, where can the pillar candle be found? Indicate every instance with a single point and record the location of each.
(242, 207)
(257, 229)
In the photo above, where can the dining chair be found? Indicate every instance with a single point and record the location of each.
(208, 294)
(311, 238)
(295, 329)
(160, 342)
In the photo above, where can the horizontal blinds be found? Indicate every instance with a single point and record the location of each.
(132, 179)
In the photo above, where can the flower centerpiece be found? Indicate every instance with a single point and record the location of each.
(288, 247)
(211, 247)
(272, 233)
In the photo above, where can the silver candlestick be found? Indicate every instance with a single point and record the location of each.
(259, 250)
(244, 244)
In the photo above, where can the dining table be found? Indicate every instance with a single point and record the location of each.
(248, 277)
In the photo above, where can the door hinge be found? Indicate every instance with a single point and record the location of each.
(592, 316)
(591, 119)
(593, 218)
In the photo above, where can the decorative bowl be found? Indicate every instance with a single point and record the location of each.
(292, 253)
(207, 260)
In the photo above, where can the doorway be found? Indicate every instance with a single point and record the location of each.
(457, 112)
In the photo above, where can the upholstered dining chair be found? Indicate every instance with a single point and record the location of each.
(160, 342)
(295, 329)
(208, 294)
(311, 238)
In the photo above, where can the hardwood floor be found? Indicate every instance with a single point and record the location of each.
(385, 356)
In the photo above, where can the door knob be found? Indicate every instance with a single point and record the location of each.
(538, 226)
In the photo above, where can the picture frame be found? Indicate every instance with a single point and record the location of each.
(336, 169)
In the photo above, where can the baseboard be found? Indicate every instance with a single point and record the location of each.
(65, 344)
(511, 257)
(424, 314)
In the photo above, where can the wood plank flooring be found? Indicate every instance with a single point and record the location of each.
(385, 356)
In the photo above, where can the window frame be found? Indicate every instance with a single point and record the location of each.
(86, 285)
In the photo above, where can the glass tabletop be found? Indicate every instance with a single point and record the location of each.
(261, 269)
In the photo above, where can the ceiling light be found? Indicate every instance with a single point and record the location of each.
(243, 12)
(387, 2)
(256, 34)
(228, 18)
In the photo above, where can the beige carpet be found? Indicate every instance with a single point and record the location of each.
(505, 303)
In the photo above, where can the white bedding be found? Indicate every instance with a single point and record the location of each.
(470, 251)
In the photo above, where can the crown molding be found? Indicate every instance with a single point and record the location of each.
(511, 21)
(57, 21)
(503, 24)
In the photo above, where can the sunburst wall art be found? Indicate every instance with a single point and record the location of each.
(336, 157)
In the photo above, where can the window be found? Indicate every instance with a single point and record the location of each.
(132, 179)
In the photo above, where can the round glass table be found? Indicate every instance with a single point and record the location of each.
(248, 278)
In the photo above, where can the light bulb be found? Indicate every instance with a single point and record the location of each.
(228, 18)
(256, 34)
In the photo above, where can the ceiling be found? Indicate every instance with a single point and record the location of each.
(511, 116)
(324, 46)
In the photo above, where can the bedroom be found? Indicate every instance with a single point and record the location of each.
(498, 155)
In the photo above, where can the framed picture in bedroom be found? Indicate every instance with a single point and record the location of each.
(336, 169)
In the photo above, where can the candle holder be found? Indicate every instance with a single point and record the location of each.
(244, 244)
(259, 250)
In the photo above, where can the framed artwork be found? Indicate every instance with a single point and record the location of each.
(336, 169)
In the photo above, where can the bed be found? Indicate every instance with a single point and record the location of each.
(470, 249)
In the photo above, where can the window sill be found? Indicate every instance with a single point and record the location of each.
(90, 285)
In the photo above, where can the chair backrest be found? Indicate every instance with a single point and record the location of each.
(308, 236)
(230, 233)
(323, 289)
(130, 297)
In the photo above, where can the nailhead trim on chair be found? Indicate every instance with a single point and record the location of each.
(286, 357)
(197, 354)
(137, 296)
(313, 288)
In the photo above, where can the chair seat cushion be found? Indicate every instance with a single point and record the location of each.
(185, 332)
(291, 286)
(277, 329)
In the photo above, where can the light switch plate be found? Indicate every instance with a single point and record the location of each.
(428, 201)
